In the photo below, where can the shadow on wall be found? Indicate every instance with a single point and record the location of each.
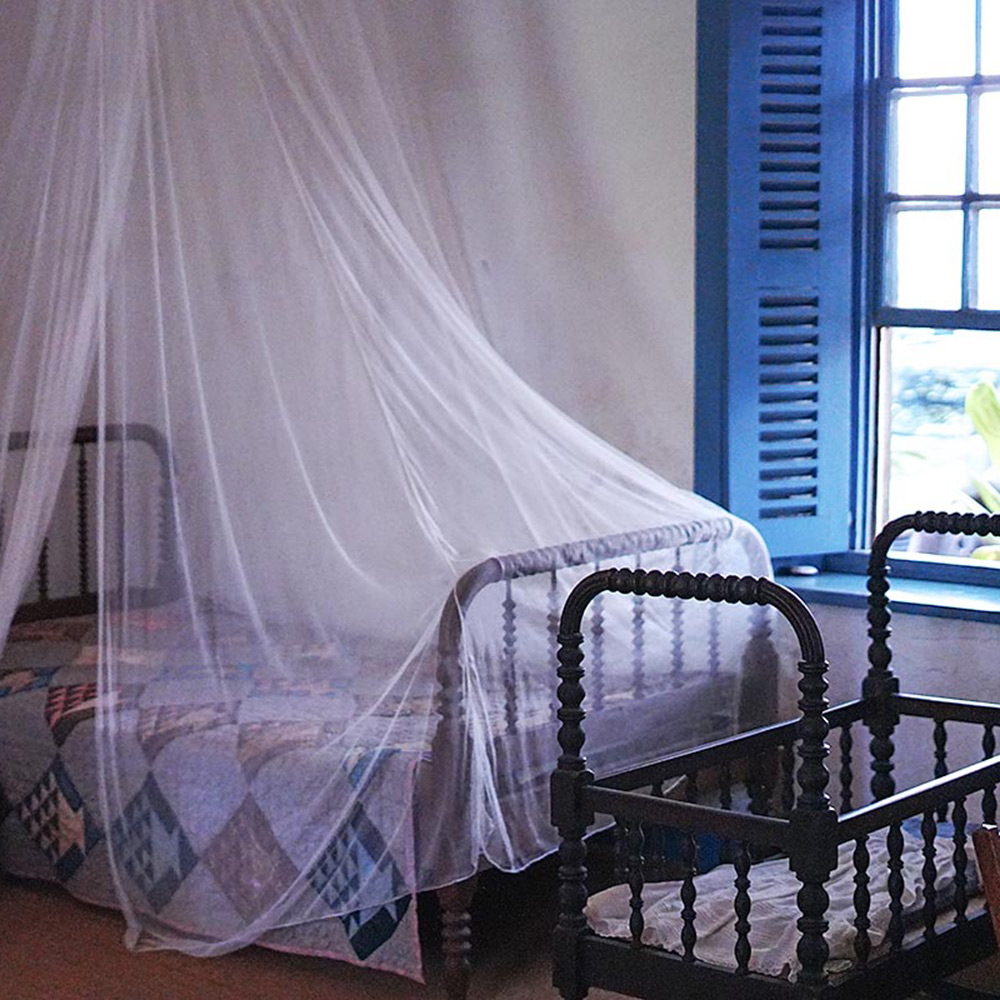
(566, 137)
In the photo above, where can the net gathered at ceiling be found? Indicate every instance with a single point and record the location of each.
(220, 247)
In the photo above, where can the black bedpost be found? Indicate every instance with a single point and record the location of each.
(813, 828)
(569, 813)
(456, 935)
(880, 684)
(813, 821)
(448, 776)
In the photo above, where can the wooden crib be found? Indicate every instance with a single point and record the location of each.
(801, 824)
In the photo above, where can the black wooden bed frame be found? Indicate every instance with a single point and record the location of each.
(451, 740)
(451, 737)
(806, 826)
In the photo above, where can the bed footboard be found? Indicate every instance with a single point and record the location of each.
(440, 777)
(545, 564)
(450, 745)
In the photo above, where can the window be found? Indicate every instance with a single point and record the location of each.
(938, 108)
(848, 238)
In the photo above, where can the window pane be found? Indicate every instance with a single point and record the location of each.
(928, 258)
(989, 143)
(937, 39)
(930, 144)
(991, 38)
(989, 259)
(935, 451)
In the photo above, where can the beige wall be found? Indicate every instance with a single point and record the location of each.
(567, 136)
(16, 22)
(936, 656)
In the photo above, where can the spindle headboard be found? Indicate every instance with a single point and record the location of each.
(73, 524)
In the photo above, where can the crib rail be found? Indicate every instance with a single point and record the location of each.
(718, 753)
(915, 801)
(766, 831)
(947, 709)
(607, 963)
(615, 965)
(708, 755)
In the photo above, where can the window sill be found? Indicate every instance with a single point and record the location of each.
(932, 598)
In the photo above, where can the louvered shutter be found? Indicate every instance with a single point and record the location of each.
(790, 271)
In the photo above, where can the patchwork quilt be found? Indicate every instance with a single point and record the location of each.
(255, 745)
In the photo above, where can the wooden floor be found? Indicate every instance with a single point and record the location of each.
(982, 980)
(55, 948)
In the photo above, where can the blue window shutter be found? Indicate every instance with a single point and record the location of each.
(780, 354)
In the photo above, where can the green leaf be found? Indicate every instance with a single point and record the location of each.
(988, 495)
(983, 409)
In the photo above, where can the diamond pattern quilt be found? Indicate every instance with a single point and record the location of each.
(239, 851)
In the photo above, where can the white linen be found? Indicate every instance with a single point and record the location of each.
(773, 915)
(221, 219)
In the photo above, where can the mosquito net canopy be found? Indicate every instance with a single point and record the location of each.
(328, 528)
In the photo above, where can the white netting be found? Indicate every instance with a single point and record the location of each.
(216, 215)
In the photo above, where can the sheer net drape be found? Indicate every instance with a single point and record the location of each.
(215, 214)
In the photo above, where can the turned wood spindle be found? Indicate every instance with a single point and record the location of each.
(862, 901)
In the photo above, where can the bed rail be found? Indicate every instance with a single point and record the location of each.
(689, 817)
(721, 752)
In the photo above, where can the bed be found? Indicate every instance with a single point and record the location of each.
(264, 736)
(814, 897)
